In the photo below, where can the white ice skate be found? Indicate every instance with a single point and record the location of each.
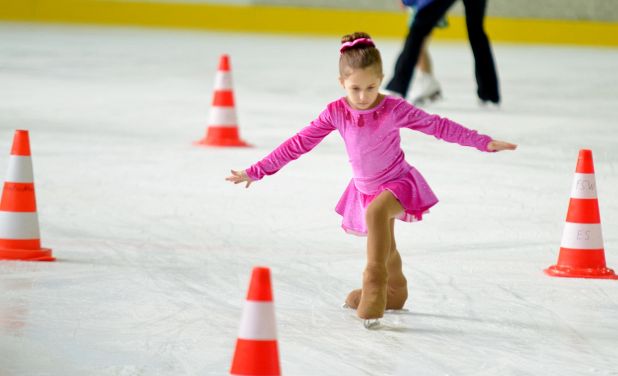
(489, 105)
(425, 89)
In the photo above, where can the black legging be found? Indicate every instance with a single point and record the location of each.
(424, 21)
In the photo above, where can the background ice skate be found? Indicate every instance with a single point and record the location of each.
(155, 249)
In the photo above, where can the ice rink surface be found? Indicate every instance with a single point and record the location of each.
(155, 249)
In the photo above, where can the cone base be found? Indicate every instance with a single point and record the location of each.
(597, 273)
(222, 136)
(255, 357)
(42, 254)
(221, 143)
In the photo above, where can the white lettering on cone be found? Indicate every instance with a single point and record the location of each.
(20, 169)
(19, 225)
(582, 236)
(584, 186)
(258, 321)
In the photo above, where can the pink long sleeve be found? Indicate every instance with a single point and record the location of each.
(412, 117)
(294, 147)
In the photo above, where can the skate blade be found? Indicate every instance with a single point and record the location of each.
(372, 324)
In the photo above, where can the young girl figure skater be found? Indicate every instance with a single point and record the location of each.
(384, 187)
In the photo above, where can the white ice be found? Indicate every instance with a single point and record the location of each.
(155, 248)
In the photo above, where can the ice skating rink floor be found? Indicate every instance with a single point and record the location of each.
(155, 249)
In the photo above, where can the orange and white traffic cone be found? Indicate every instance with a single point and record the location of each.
(582, 254)
(256, 347)
(19, 223)
(222, 124)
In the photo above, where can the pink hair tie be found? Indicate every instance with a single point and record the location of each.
(360, 41)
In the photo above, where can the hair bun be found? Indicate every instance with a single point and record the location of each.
(358, 51)
(356, 35)
(359, 43)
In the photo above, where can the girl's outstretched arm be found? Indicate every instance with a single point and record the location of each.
(239, 177)
(495, 145)
(302, 142)
(408, 116)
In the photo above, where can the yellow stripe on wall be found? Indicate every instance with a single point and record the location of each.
(291, 20)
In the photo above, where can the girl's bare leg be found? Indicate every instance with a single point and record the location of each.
(378, 217)
(397, 285)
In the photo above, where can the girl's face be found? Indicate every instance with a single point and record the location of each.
(362, 87)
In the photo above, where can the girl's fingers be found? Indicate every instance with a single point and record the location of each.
(508, 146)
(502, 145)
(239, 177)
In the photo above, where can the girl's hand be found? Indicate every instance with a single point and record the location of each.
(496, 145)
(239, 177)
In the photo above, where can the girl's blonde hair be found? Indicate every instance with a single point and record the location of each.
(359, 56)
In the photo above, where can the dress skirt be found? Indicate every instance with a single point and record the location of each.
(410, 189)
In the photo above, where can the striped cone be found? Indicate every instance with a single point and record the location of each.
(222, 123)
(19, 223)
(581, 252)
(256, 347)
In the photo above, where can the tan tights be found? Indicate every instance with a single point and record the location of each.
(384, 285)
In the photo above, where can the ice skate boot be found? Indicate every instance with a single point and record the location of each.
(489, 105)
(373, 297)
(353, 298)
(397, 286)
(425, 89)
(397, 293)
(396, 297)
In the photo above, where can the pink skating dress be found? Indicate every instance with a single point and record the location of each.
(372, 142)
